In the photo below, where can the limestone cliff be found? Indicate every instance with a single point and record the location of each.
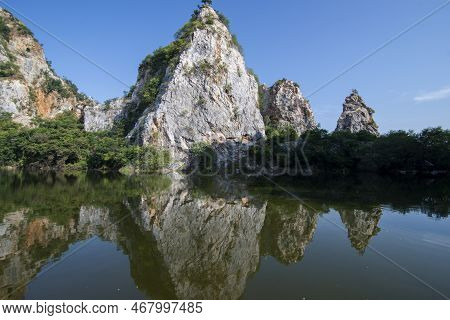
(357, 116)
(284, 105)
(102, 117)
(29, 87)
(196, 90)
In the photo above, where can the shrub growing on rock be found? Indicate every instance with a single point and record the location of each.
(8, 69)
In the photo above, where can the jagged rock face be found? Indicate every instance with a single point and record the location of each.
(209, 245)
(208, 97)
(28, 85)
(357, 116)
(284, 105)
(103, 116)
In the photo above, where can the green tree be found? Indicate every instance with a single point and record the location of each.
(207, 2)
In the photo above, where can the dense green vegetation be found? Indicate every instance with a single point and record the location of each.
(62, 144)
(7, 68)
(345, 152)
(203, 159)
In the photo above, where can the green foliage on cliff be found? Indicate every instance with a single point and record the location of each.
(189, 28)
(51, 84)
(65, 89)
(62, 144)
(237, 44)
(223, 19)
(72, 87)
(24, 30)
(5, 31)
(150, 90)
(10, 139)
(8, 69)
(280, 134)
(155, 66)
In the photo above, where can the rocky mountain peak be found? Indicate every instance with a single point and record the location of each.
(196, 90)
(29, 87)
(357, 116)
(284, 105)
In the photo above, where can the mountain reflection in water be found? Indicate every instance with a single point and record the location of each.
(197, 238)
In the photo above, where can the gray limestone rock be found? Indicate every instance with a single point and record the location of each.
(29, 87)
(208, 97)
(284, 105)
(357, 116)
(103, 117)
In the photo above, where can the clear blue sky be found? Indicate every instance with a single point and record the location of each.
(309, 41)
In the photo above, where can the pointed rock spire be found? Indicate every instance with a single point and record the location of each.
(284, 105)
(196, 90)
(357, 116)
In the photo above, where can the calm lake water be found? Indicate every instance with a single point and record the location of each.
(153, 237)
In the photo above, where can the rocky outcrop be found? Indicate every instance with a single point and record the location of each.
(102, 117)
(284, 105)
(357, 116)
(197, 90)
(28, 85)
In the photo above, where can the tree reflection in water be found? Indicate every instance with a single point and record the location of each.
(185, 239)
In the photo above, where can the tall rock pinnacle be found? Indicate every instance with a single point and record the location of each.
(357, 116)
(284, 105)
(196, 90)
